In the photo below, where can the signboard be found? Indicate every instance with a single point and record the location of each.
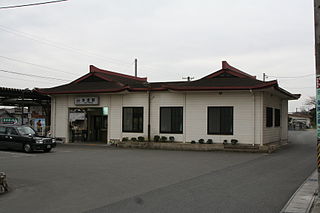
(39, 124)
(86, 101)
(9, 120)
(74, 116)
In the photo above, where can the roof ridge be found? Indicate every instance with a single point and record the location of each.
(225, 65)
(96, 69)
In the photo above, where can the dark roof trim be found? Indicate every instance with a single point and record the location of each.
(193, 88)
(87, 91)
(293, 96)
(94, 69)
(227, 68)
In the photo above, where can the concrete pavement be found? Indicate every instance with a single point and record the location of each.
(303, 199)
(77, 178)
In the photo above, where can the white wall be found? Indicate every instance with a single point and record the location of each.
(272, 134)
(60, 122)
(243, 123)
(249, 114)
(284, 120)
(165, 99)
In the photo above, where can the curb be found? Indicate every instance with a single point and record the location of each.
(302, 200)
(85, 144)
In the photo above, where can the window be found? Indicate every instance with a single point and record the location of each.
(171, 120)
(277, 117)
(269, 119)
(132, 119)
(11, 131)
(220, 120)
(2, 130)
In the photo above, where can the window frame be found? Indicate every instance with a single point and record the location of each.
(220, 123)
(171, 120)
(132, 120)
(269, 123)
(277, 119)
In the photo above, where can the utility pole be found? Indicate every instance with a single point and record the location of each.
(317, 51)
(135, 67)
(264, 77)
(188, 78)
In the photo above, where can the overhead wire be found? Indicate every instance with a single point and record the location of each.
(32, 75)
(37, 65)
(63, 46)
(301, 76)
(31, 4)
(21, 79)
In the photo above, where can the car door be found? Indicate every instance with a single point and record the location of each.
(12, 138)
(2, 137)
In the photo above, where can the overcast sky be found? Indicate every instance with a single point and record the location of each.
(171, 39)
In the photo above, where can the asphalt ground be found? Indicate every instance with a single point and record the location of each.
(101, 179)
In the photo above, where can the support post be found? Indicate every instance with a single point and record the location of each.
(136, 67)
(317, 55)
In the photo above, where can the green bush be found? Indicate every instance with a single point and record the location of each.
(193, 142)
(171, 139)
(225, 142)
(125, 139)
(141, 139)
(133, 139)
(234, 141)
(209, 141)
(163, 139)
(156, 138)
(201, 141)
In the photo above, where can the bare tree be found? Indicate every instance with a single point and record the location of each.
(311, 102)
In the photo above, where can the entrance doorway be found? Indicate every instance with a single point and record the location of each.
(88, 125)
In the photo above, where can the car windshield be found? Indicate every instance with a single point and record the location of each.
(25, 130)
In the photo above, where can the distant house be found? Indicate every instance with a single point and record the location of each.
(224, 105)
(298, 120)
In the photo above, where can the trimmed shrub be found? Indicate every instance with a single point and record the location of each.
(234, 141)
(225, 142)
(201, 141)
(125, 139)
(163, 139)
(141, 139)
(193, 142)
(209, 141)
(156, 138)
(133, 139)
(171, 139)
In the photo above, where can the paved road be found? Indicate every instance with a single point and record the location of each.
(100, 179)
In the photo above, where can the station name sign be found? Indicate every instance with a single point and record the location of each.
(86, 101)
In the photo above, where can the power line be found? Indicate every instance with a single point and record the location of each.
(21, 79)
(31, 75)
(301, 76)
(31, 4)
(62, 46)
(37, 65)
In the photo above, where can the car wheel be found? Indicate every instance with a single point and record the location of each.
(27, 148)
(47, 150)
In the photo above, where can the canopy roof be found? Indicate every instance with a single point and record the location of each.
(20, 97)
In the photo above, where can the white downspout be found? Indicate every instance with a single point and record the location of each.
(254, 116)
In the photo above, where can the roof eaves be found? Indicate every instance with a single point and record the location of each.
(96, 69)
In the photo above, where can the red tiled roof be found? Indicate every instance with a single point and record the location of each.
(99, 81)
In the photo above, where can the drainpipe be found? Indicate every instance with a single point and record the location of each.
(149, 103)
(254, 116)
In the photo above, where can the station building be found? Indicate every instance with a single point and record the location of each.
(104, 106)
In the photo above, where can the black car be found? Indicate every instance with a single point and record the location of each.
(21, 137)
